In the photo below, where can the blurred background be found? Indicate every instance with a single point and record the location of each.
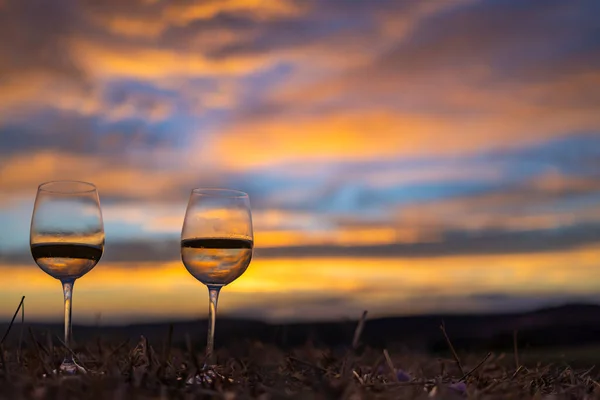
(403, 157)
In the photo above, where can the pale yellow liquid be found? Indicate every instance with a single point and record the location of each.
(65, 260)
(216, 261)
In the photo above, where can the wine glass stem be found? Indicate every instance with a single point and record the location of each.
(213, 295)
(68, 292)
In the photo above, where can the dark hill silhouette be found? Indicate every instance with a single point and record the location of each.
(568, 325)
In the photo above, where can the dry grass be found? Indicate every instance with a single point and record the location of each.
(255, 370)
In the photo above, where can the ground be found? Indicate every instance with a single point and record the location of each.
(350, 360)
(251, 369)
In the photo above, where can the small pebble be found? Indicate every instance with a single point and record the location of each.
(459, 387)
(403, 376)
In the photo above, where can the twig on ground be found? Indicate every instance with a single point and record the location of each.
(188, 342)
(38, 353)
(3, 361)
(362, 382)
(108, 358)
(21, 330)
(100, 348)
(167, 349)
(390, 364)
(359, 329)
(465, 376)
(516, 349)
(516, 372)
(308, 364)
(456, 358)
(376, 363)
(586, 373)
(13, 320)
(50, 345)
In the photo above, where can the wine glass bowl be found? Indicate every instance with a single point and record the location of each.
(216, 261)
(217, 242)
(65, 261)
(67, 239)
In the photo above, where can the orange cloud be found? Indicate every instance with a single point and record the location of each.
(152, 19)
(271, 227)
(348, 236)
(42, 90)
(523, 206)
(183, 13)
(130, 26)
(24, 172)
(95, 59)
(105, 61)
(483, 120)
(274, 228)
(35, 91)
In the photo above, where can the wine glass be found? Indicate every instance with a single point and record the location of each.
(216, 245)
(67, 240)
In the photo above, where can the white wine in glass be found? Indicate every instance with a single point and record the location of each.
(216, 245)
(67, 241)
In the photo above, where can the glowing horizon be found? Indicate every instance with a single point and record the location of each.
(373, 138)
(285, 289)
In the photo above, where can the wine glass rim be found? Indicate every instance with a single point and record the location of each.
(85, 187)
(220, 192)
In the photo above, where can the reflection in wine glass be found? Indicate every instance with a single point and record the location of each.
(67, 240)
(216, 245)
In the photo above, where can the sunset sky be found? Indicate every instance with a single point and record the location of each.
(402, 157)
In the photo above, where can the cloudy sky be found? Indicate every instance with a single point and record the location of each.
(400, 156)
